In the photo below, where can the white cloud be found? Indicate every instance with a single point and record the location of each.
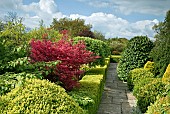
(108, 24)
(33, 12)
(112, 26)
(155, 7)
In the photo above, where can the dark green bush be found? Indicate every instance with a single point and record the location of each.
(161, 106)
(148, 93)
(136, 75)
(134, 56)
(39, 97)
(9, 81)
(98, 47)
(89, 94)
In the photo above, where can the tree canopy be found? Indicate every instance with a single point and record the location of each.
(73, 26)
(161, 51)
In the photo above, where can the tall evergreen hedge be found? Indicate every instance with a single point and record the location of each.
(161, 51)
(134, 56)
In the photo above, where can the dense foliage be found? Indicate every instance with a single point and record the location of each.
(38, 96)
(136, 75)
(141, 84)
(9, 81)
(161, 52)
(134, 56)
(148, 93)
(98, 47)
(161, 106)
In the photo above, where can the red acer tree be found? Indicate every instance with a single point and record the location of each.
(72, 56)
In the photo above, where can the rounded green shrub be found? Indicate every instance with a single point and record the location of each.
(38, 97)
(148, 93)
(134, 56)
(142, 82)
(161, 106)
(149, 66)
(98, 47)
(136, 75)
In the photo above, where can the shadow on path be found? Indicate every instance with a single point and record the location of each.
(116, 98)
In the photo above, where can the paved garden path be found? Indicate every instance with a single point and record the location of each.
(116, 98)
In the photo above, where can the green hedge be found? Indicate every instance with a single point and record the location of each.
(99, 47)
(136, 75)
(91, 87)
(39, 97)
(115, 58)
(134, 56)
(89, 94)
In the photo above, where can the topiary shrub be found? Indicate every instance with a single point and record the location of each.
(98, 47)
(136, 75)
(161, 106)
(39, 96)
(149, 66)
(134, 56)
(148, 93)
(166, 76)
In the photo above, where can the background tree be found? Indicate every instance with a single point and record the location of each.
(12, 39)
(117, 45)
(86, 33)
(161, 51)
(98, 35)
(73, 26)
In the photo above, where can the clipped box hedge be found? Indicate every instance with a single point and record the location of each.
(89, 94)
(38, 97)
(115, 58)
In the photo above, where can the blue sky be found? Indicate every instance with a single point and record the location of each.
(114, 18)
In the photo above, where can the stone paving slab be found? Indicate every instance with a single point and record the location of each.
(116, 98)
